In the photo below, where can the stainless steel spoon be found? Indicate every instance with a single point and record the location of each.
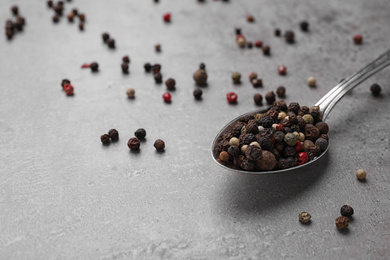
(326, 104)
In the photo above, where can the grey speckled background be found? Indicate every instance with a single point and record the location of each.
(65, 196)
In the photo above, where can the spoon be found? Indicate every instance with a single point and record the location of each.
(326, 103)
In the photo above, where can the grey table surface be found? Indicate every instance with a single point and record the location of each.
(65, 196)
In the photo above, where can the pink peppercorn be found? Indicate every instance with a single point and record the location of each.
(68, 88)
(302, 158)
(167, 17)
(358, 39)
(231, 97)
(258, 44)
(282, 70)
(298, 146)
(167, 97)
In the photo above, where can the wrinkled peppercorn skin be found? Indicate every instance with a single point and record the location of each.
(134, 143)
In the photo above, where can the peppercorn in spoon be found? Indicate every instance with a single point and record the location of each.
(282, 138)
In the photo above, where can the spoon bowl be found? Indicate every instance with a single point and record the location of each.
(325, 104)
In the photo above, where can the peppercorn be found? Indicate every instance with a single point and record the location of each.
(243, 148)
(311, 132)
(56, 18)
(255, 144)
(302, 158)
(170, 84)
(9, 34)
(265, 121)
(158, 78)
(140, 133)
(282, 115)
(202, 66)
(289, 36)
(68, 88)
(267, 161)
(94, 66)
(65, 81)
(258, 43)
(125, 68)
(250, 18)
(240, 41)
(247, 138)
(130, 92)
(258, 98)
(266, 50)
(111, 43)
(301, 137)
(251, 127)
(304, 26)
(70, 17)
(247, 164)
(323, 127)
(19, 23)
(105, 37)
(375, 89)
(234, 141)
(346, 211)
(358, 39)
(105, 139)
(282, 70)
(308, 119)
(249, 45)
(81, 17)
(361, 174)
(252, 76)
(298, 146)
(126, 59)
(15, 10)
(238, 31)
(253, 152)
(167, 97)
(81, 26)
(58, 9)
(236, 77)
(257, 83)
(157, 47)
(159, 145)
(342, 222)
(265, 143)
(270, 97)
(147, 67)
(167, 17)
(311, 81)
(234, 151)
(113, 134)
(289, 151)
(50, 4)
(281, 91)
(224, 156)
(290, 139)
(292, 118)
(198, 93)
(75, 11)
(134, 143)
(156, 68)
(281, 104)
(277, 32)
(304, 217)
(231, 97)
(200, 77)
(283, 163)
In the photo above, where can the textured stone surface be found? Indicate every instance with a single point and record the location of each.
(65, 196)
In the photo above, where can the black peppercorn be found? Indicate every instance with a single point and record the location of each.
(289, 36)
(258, 98)
(105, 139)
(375, 89)
(125, 68)
(311, 132)
(249, 45)
(156, 68)
(105, 37)
(111, 43)
(159, 145)
(234, 151)
(304, 26)
(267, 162)
(283, 164)
(277, 32)
(265, 143)
(113, 134)
(247, 165)
(265, 121)
(65, 81)
(247, 138)
(94, 66)
(251, 127)
(81, 17)
(198, 93)
(56, 18)
(342, 222)
(266, 50)
(238, 31)
(126, 59)
(279, 136)
(257, 83)
(281, 104)
(140, 133)
(323, 127)
(170, 84)
(50, 4)
(270, 97)
(158, 78)
(15, 10)
(75, 11)
(200, 77)
(294, 107)
(134, 143)
(147, 67)
(322, 143)
(289, 151)
(253, 152)
(81, 26)
(58, 9)
(281, 91)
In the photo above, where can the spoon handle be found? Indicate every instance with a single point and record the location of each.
(327, 102)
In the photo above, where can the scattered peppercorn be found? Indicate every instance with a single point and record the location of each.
(68, 88)
(113, 134)
(147, 67)
(238, 31)
(158, 78)
(65, 81)
(240, 41)
(94, 66)
(236, 77)
(289, 36)
(130, 92)
(249, 45)
(81, 26)
(125, 68)
(346, 211)
(50, 4)
(70, 17)
(56, 18)
(231, 97)
(105, 37)
(266, 50)
(358, 39)
(126, 59)
(361, 174)
(167, 17)
(281, 91)
(311, 81)
(258, 44)
(258, 98)
(167, 97)
(156, 68)
(15, 10)
(200, 77)
(75, 11)
(198, 93)
(277, 32)
(134, 143)
(270, 97)
(252, 76)
(257, 83)
(111, 43)
(157, 47)
(202, 66)
(81, 17)
(250, 18)
(304, 217)
(282, 70)
(304, 26)
(170, 84)
(159, 145)
(105, 139)
(375, 89)
(342, 222)
(140, 133)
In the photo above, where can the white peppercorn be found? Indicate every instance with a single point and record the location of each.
(311, 81)
(361, 174)
(234, 141)
(130, 92)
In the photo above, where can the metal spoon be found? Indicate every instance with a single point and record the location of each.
(326, 104)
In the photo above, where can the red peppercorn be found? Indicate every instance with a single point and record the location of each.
(298, 146)
(167, 17)
(302, 158)
(358, 39)
(167, 97)
(282, 70)
(231, 97)
(280, 127)
(68, 88)
(258, 44)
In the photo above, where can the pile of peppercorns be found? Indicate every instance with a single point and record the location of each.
(17, 26)
(108, 40)
(58, 9)
(283, 137)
